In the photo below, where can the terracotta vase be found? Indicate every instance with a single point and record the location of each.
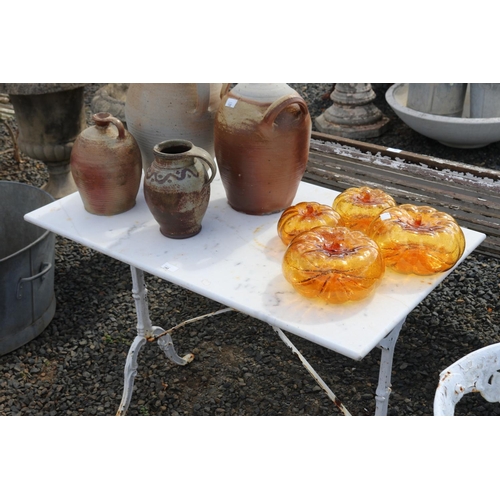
(261, 137)
(177, 187)
(156, 112)
(106, 165)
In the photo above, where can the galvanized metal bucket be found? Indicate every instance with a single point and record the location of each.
(485, 100)
(445, 99)
(27, 299)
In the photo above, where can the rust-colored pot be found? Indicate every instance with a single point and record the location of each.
(106, 165)
(261, 138)
(177, 187)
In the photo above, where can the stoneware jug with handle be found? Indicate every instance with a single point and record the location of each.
(177, 187)
(106, 166)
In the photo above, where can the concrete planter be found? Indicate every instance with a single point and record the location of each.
(453, 131)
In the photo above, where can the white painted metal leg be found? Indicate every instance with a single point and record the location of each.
(145, 332)
(130, 373)
(144, 329)
(139, 293)
(313, 372)
(383, 392)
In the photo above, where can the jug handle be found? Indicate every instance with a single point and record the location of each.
(280, 104)
(103, 119)
(197, 152)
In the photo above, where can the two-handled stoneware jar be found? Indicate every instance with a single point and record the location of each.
(261, 138)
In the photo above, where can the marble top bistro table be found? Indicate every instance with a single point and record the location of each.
(236, 260)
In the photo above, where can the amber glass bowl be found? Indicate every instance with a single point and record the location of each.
(305, 216)
(417, 239)
(333, 264)
(359, 206)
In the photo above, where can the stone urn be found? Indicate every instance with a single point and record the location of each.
(50, 116)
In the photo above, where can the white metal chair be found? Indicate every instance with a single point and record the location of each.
(478, 371)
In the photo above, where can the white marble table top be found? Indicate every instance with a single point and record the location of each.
(236, 260)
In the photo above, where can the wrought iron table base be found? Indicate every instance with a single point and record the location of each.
(148, 333)
(145, 332)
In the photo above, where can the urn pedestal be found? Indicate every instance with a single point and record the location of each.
(352, 114)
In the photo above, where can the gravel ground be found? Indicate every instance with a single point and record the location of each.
(75, 367)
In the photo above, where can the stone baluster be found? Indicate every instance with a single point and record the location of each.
(352, 114)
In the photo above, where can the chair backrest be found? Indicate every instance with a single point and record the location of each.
(478, 371)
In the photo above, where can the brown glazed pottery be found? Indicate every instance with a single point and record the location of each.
(177, 187)
(261, 138)
(106, 165)
(157, 112)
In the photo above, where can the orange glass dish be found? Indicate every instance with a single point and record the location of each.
(334, 264)
(359, 206)
(418, 239)
(305, 216)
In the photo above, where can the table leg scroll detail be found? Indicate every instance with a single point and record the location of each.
(166, 344)
(144, 329)
(383, 392)
(148, 333)
(130, 373)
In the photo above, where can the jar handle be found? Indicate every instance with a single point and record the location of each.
(197, 152)
(224, 89)
(103, 119)
(280, 104)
